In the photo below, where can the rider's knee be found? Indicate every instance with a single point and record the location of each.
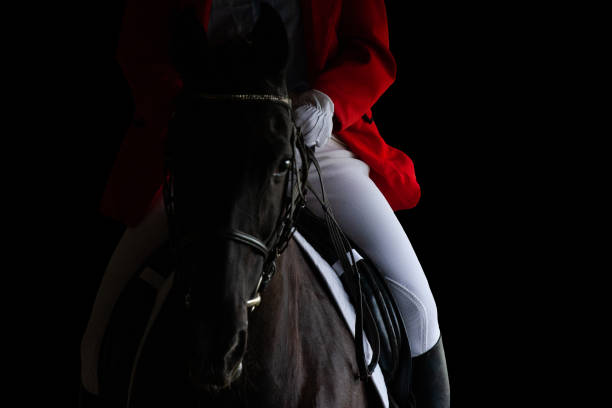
(420, 315)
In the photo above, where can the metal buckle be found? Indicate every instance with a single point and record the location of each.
(256, 299)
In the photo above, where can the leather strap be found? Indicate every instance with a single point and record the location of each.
(247, 239)
(342, 248)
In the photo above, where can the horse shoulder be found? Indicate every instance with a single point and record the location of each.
(329, 365)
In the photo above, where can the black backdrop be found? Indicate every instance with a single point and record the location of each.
(458, 108)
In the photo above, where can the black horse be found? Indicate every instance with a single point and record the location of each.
(231, 195)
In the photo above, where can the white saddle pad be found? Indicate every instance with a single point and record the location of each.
(330, 276)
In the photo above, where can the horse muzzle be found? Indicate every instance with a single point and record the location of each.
(225, 368)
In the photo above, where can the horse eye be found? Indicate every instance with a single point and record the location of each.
(282, 168)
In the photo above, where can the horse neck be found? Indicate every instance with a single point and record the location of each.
(274, 334)
(299, 348)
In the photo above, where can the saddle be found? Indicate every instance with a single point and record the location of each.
(383, 324)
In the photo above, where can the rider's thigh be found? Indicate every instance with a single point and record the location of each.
(367, 218)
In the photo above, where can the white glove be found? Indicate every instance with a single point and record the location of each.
(314, 112)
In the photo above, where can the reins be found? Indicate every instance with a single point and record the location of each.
(344, 252)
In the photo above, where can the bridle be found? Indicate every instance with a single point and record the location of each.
(284, 228)
(296, 178)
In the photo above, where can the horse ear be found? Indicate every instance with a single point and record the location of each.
(188, 46)
(270, 40)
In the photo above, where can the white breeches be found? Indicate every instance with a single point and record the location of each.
(367, 218)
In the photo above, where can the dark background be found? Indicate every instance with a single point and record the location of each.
(470, 106)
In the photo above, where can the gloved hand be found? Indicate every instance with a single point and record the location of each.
(314, 111)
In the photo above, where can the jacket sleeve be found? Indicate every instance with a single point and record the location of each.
(363, 68)
(142, 53)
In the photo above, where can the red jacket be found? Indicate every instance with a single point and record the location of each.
(348, 59)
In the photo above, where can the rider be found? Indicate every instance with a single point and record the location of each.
(334, 77)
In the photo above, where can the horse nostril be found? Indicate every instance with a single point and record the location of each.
(233, 358)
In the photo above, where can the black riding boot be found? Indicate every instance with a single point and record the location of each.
(430, 387)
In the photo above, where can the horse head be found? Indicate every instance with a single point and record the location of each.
(230, 158)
